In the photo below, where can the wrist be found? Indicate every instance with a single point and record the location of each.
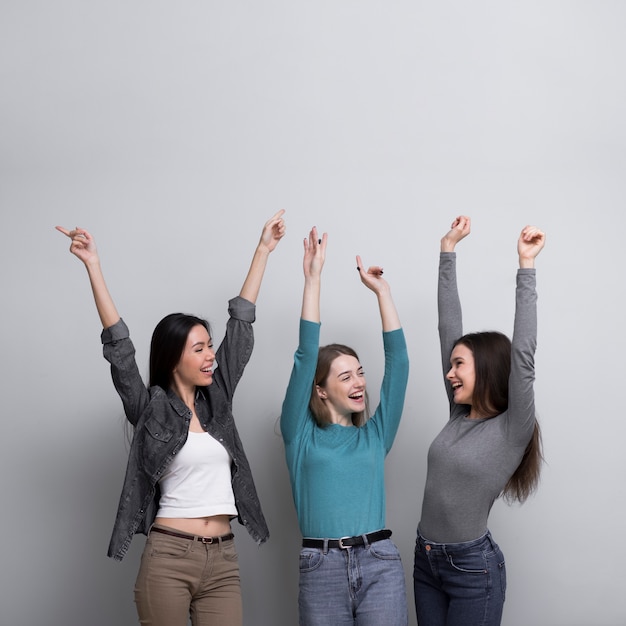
(447, 245)
(262, 250)
(312, 279)
(92, 264)
(526, 262)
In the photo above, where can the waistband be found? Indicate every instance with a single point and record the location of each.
(454, 547)
(347, 542)
(181, 535)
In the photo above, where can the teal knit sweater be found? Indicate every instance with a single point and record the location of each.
(337, 472)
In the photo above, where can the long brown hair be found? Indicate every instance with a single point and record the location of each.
(326, 356)
(492, 365)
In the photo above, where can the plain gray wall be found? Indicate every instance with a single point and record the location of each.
(173, 130)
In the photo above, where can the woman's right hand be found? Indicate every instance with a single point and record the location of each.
(314, 254)
(83, 244)
(461, 228)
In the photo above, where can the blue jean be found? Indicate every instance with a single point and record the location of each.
(360, 585)
(459, 584)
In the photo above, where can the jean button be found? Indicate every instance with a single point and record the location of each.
(427, 548)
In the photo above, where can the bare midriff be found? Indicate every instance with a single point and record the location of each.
(213, 526)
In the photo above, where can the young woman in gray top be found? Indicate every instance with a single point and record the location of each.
(490, 447)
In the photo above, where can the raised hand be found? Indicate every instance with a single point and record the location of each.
(313, 262)
(273, 231)
(372, 277)
(461, 228)
(83, 245)
(529, 245)
(314, 253)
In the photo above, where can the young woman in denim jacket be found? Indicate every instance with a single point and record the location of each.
(187, 474)
(490, 446)
(350, 570)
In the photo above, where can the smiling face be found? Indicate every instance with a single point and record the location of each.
(462, 374)
(343, 391)
(195, 366)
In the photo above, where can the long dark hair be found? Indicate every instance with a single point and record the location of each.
(167, 345)
(326, 356)
(492, 365)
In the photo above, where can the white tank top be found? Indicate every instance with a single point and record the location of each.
(198, 481)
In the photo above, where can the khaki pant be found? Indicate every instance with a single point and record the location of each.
(181, 578)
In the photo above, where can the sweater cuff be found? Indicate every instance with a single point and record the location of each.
(394, 338)
(118, 331)
(242, 309)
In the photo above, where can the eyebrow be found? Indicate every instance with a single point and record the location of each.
(200, 343)
(359, 369)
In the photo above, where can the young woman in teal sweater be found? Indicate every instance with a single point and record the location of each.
(350, 570)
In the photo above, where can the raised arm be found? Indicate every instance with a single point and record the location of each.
(448, 303)
(373, 279)
(273, 231)
(295, 417)
(393, 387)
(314, 256)
(521, 413)
(83, 246)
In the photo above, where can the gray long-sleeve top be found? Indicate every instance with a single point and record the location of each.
(471, 460)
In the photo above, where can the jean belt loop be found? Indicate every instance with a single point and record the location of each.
(492, 543)
(325, 546)
(366, 543)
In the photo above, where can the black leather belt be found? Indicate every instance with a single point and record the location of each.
(173, 533)
(347, 542)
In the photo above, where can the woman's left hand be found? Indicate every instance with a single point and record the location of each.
(372, 277)
(529, 245)
(273, 231)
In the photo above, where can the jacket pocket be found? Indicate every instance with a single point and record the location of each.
(157, 431)
(154, 443)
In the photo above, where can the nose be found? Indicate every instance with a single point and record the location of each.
(450, 374)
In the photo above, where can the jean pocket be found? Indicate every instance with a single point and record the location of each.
(385, 549)
(502, 570)
(310, 560)
(229, 551)
(168, 547)
(469, 563)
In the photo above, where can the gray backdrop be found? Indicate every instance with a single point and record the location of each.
(174, 130)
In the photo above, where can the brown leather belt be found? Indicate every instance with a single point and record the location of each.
(173, 533)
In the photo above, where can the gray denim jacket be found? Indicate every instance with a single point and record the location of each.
(161, 423)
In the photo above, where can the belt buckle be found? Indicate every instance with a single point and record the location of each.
(341, 543)
(207, 540)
